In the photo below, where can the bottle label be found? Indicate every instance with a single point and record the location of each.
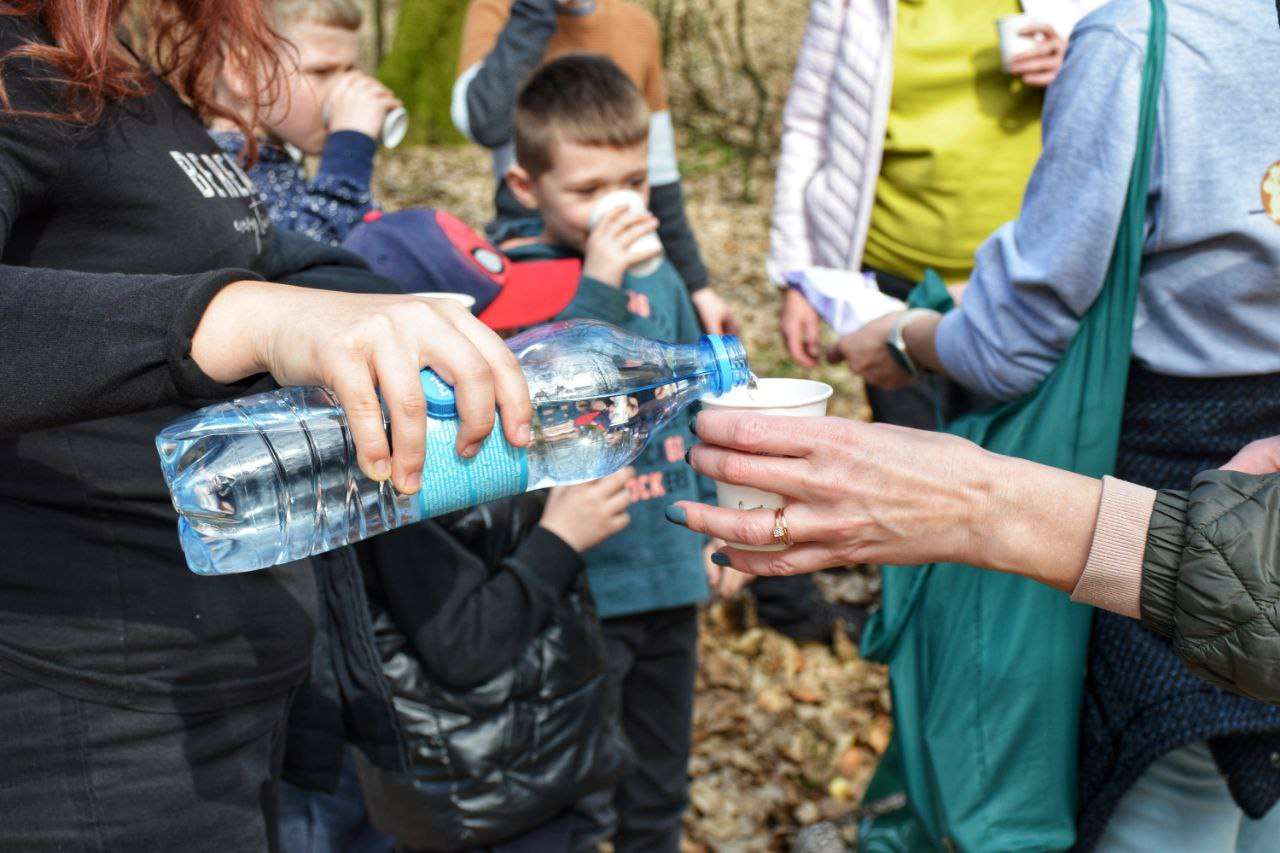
(450, 482)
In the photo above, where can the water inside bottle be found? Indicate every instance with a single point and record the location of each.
(270, 479)
(589, 437)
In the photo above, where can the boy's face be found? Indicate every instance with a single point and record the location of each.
(579, 175)
(317, 56)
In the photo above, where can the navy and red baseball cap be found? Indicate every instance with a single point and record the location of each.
(426, 250)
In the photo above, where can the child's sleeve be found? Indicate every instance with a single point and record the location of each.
(339, 195)
(688, 327)
(666, 194)
(465, 622)
(666, 201)
(501, 45)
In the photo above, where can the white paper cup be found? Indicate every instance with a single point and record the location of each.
(466, 300)
(394, 127)
(1012, 44)
(632, 201)
(395, 124)
(795, 398)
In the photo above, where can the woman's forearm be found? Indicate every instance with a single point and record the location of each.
(223, 344)
(1035, 521)
(1040, 521)
(920, 337)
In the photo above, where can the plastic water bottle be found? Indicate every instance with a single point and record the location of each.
(271, 478)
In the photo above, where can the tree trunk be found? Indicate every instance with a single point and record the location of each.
(379, 36)
(422, 63)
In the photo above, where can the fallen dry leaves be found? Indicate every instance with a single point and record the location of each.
(784, 735)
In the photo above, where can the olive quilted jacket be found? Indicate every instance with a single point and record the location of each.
(1211, 579)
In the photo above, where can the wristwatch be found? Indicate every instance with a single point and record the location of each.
(898, 347)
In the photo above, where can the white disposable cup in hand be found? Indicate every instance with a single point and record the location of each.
(1011, 44)
(395, 124)
(394, 127)
(632, 201)
(795, 398)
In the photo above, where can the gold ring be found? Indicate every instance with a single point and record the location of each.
(781, 530)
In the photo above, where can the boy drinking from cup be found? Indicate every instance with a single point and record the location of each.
(322, 106)
(581, 137)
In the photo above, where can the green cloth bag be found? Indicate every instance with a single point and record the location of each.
(987, 669)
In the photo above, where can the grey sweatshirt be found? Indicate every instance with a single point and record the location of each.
(1210, 292)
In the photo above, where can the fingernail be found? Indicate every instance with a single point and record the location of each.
(693, 424)
(471, 450)
(381, 470)
(525, 434)
(676, 515)
(688, 453)
(720, 558)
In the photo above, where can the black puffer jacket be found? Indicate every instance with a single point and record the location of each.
(490, 643)
(1211, 579)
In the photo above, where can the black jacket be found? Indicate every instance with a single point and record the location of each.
(1211, 579)
(489, 640)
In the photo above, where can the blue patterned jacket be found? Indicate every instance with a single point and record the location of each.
(325, 207)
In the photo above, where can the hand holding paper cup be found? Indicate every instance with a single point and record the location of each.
(796, 398)
(631, 201)
(1012, 42)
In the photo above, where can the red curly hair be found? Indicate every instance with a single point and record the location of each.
(185, 42)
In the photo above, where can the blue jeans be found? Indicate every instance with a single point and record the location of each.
(316, 822)
(1182, 804)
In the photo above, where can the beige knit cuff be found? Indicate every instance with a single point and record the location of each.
(1112, 578)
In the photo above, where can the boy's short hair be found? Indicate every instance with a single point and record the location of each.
(346, 14)
(582, 98)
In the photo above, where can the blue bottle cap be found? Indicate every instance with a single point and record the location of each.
(442, 403)
(727, 374)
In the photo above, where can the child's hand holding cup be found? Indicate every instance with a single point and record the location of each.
(646, 246)
(793, 398)
(361, 103)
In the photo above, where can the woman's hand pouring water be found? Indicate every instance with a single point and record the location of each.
(362, 346)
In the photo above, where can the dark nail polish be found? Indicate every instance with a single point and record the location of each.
(687, 454)
(720, 558)
(676, 514)
(693, 424)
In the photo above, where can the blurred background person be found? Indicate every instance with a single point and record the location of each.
(905, 144)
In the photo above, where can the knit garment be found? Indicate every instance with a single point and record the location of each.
(1140, 701)
(324, 207)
